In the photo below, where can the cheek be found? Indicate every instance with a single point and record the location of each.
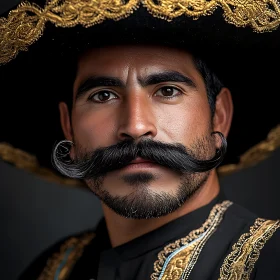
(187, 121)
(93, 128)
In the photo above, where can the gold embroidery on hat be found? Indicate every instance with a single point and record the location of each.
(239, 264)
(177, 259)
(28, 162)
(60, 264)
(26, 23)
(259, 14)
(255, 154)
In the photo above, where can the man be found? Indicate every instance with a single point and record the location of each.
(145, 128)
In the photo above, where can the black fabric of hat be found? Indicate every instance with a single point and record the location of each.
(39, 45)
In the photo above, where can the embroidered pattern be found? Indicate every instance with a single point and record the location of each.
(60, 264)
(260, 15)
(177, 259)
(26, 23)
(239, 264)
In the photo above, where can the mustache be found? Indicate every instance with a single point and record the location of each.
(103, 160)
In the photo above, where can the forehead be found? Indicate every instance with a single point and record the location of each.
(115, 60)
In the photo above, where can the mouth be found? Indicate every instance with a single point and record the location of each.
(139, 160)
(140, 163)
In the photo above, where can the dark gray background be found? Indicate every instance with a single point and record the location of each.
(36, 213)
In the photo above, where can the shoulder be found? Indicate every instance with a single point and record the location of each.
(267, 264)
(255, 253)
(66, 251)
(240, 213)
(238, 220)
(257, 231)
(255, 250)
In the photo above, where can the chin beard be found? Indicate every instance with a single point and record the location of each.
(144, 203)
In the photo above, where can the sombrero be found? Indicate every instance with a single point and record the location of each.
(39, 42)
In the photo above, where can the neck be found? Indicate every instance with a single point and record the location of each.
(122, 230)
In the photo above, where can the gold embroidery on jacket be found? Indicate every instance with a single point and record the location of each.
(26, 23)
(239, 264)
(60, 264)
(177, 259)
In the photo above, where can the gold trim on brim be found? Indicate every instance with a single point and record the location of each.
(256, 154)
(25, 24)
(29, 162)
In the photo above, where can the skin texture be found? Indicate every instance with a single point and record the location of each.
(136, 111)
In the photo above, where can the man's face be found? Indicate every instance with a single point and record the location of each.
(130, 92)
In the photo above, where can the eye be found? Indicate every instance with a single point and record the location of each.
(103, 96)
(168, 92)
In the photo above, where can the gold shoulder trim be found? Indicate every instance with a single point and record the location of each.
(26, 23)
(60, 264)
(239, 264)
(177, 259)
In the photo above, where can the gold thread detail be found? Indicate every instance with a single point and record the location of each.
(256, 154)
(239, 264)
(25, 24)
(177, 259)
(261, 15)
(70, 251)
(23, 160)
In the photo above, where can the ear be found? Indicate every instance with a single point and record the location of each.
(223, 112)
(65, 121)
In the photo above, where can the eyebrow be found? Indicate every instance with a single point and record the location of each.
(98, 81)
(167, 76)
(152, 79)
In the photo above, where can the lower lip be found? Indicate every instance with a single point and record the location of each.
(140, 165)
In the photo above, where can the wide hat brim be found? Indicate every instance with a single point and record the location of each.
(39, 45)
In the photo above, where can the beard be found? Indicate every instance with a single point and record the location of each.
(143, 202)
(192, 165)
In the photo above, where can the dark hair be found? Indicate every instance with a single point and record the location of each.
(212, 83)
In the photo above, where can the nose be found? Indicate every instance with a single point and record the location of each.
(137, 118)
